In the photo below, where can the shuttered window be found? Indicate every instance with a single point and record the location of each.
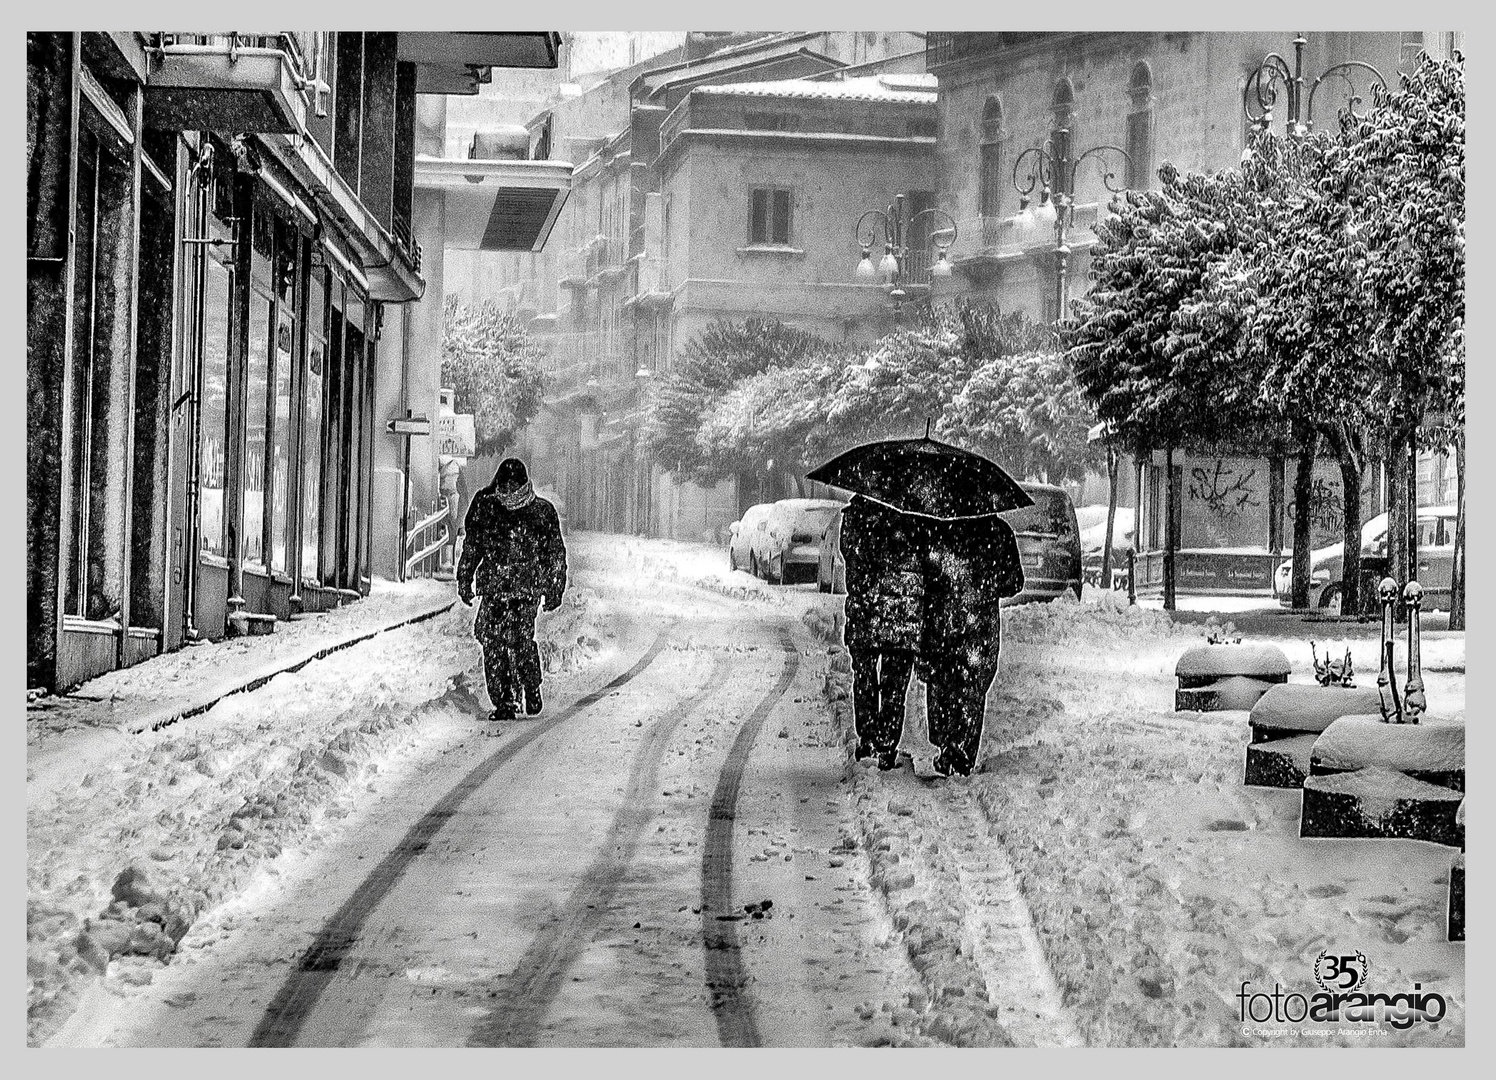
(769, 216)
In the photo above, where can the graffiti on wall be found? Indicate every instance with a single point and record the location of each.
(1326, 511)
(1225, 490)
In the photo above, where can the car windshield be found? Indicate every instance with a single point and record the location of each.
(1049, 516)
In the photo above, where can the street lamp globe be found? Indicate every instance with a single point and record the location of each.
(889, 267)
(866, 271)
(942, 267)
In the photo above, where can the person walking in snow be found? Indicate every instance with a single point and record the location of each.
(970, 565)
(885, 613)
(514, 558)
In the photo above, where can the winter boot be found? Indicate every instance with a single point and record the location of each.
(533, 704)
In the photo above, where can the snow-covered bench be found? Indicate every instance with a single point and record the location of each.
(1380, 803)
(1286, 721)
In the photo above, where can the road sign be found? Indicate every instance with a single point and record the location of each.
(415, 425)
(455, 436)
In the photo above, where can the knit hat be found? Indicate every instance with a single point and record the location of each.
(511, 484)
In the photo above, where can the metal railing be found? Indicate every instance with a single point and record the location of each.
(426, 539)
(293, 46)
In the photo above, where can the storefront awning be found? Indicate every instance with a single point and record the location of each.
(497, 205)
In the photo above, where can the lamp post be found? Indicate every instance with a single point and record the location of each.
(1258, 97)
(1052, 169)
(891, 270)
(1260, 93)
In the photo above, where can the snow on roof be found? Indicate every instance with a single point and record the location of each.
(916, 89)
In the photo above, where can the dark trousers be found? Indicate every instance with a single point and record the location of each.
(956, 695)
(880, 678)
(505, 628)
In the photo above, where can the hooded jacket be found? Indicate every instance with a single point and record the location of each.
(512, 549)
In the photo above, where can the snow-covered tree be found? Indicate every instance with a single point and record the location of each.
(492, 363)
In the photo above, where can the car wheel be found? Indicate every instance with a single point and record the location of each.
(1329, 599)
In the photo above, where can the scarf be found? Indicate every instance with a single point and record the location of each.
(517, 499)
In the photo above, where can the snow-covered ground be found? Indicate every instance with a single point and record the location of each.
(124, 860)
(1105, 878)
(1157, 883)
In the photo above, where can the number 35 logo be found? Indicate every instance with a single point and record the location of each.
(1342, 973)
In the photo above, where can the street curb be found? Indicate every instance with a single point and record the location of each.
(155, 720)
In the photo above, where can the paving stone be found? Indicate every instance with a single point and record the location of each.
(1295, 708)
(1380, 803)
(1282, 763)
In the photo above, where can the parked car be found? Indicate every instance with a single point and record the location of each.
(1436, 525)
(788, 547)
(831, 568)
(1048, 544)
(742, 533)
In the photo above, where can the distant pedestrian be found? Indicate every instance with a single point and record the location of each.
(885, 614)
(970, 565)
(514, 558)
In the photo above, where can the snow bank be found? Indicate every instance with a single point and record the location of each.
(121, 864)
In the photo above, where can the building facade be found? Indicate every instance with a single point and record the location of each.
(1157, 96)
(218, 251)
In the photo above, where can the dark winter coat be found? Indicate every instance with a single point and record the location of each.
(512, 554)
(970, 565)
(883, 550)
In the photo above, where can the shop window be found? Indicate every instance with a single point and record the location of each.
(100, 376)
(256, 422)
(213, 451)
(311, 429)
(769, 216)
(280, 442)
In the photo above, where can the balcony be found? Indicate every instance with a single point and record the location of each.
(944, 48)
(228, 82)
(497, 205)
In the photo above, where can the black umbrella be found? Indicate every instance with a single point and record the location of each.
(924, 476)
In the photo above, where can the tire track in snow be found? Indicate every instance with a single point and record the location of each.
(726, 976)
(283, 1019)
(526, 994)
(1006, 946)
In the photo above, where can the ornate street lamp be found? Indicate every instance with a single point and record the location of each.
(890, 224)
(1052, 170)
(1260, 93)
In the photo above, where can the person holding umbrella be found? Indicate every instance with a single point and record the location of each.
(924, 548)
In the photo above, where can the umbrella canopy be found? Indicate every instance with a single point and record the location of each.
(924, 476)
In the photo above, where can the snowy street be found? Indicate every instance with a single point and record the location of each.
(678, 851)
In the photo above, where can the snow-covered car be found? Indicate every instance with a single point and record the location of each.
(1436, 525)
(1048, 544)
(788, 548)
(1092, 522)
(741, 536)
(831, 569)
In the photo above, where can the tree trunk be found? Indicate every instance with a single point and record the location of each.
(1349, 455)
(1303, 488)
(1397, 515)
(1457, 576)
(1170, 540)
(1111, 515)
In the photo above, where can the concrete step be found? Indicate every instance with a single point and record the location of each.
(1379, 803)
(247, 623)
(1282, 763)
(1297, 708)
(1204, 664)
(1229, 692)
(1432, 750)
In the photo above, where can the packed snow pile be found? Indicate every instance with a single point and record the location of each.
(121, 864)
(1065, 619)
(702, 565)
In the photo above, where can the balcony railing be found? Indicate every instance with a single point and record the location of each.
(236, 81)
(947, 47)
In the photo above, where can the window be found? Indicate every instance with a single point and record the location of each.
(990, 191)
(769, 216)
(1140, 127)
(1063, 103)
(311, 432)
